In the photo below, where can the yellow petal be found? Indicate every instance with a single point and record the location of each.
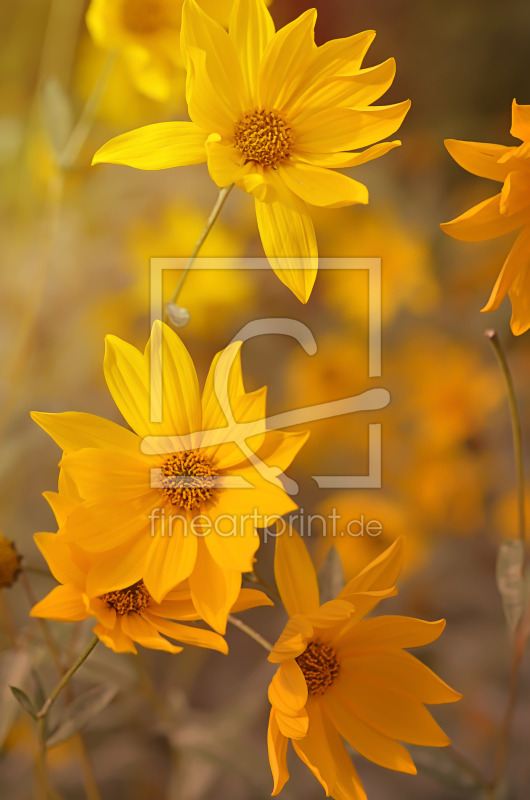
(234, 551)
(140, 630)
(520, 121)
(214, 590)
(58, 556)
(287, 54)
(520, 297)
(322, 187)
(339, 56)
(480, 159)
(293, 640)
(251, 29)
(250, 598)
(115, 639)
(365, 739)
(295, 575)
(205, 107)
(381, 573)
(323, 751)
(73, 430)
(345, 160)
(288, 239)
(171, 559)
(331, 613)
(515, 194)
(483, 221)
(117, 568)
(516, 262)
(189, 634)
(225, 163)
(288, 689)
(277, 748)
(280, 449)
(64, 603)
(159, 146)
(339, 129)
(400, 670)
(100, 472)
(391, 631)
(106, 523)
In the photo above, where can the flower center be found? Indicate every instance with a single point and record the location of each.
(319, 664)
(144, 16)
(188, 479)
(263, 136)
(134, 598)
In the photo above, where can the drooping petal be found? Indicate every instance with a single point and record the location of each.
(340, 129)
(323, 751)
(365, 739)
(73, 430)
(115, 639)
(140, 630)
(482, 222)
(188, 634)
(277, 748)
(159, 146)
(251, 29)
(520, 297)
(520, 121)
(322, 187)
(289, 241)
(516, 262)
(214, 590)
(479, 158)
(64, 603)
(288, 696)
(171, 558)
(295, 574)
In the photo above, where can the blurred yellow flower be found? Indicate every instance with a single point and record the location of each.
(9, 563)
(345, 677)
(127, 615)
(177, 498)
(502, 213)
(275, 115)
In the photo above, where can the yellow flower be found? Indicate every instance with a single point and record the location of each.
(127, 615)
(344, 677)
(178, 498)
(9, 563)
(502, 213)
(146, 33)
(275, 115)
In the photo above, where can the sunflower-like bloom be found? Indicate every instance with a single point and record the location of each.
(180, 496)
(128, 615)
(275, 115)
(502, 213)
(146, 33)
(345, 677)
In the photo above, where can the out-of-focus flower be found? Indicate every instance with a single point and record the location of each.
(9, 563)
(127, 615)
(275, 115)
(179, 498)
(345, 677)
(502, 213)
(146, 33)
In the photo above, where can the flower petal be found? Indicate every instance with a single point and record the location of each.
(189, 634)
(520, 121)
(250, 598)
(170, 560)
(520, 297)
(251, 29)
(482, 222)
(381, 573)
(98, 471)
(73, 430)
(295, 574)
(322, 187)
(140, 630)
(480, 159)
(287, 54)
(345, 160)
(117, 568)
(115, 639)
(214, 590)
(277, 748)
(515, 194)
(160, 146)
(516, 262)
(391, 631)
(64, 603)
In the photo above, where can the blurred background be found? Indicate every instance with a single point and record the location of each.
(76, 244)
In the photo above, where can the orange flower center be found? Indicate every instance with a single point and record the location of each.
(134, 598)
(319, 664)
(144, 16)
(263, 136)
(188, 479)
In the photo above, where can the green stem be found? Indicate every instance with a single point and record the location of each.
(237, 623)
(216, 210)
(65, 679)
(492, 337)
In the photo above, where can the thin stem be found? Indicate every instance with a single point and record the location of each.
(82, 128)
(250, 632)
(492, 337)
(64, 680)
(504, 738)
(216, 210)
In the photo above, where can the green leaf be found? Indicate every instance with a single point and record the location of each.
(511, 582)
(331, 576)
(79, 713)
(57, 114)
(25, 701)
